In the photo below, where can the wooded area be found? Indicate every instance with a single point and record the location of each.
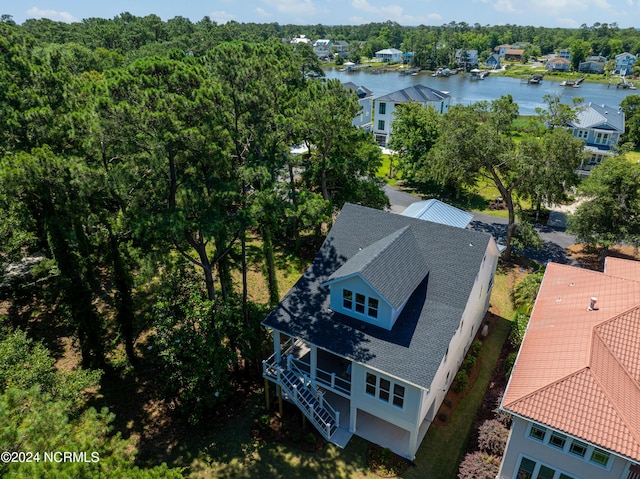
(138, 160)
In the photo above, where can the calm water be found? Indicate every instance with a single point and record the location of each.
(464, 91)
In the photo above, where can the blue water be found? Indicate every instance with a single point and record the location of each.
(465, 91)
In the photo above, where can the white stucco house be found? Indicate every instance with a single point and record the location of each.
(574, 392)
(384, 107)
(371, 336)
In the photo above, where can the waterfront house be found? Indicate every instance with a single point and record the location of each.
(341, 47)
(591, 66)
(600, 126)
(384, 107)
(624, 63)
(574, 392)
(466, 58)
(493, 61)
(389, 55)
(323, 48)
(365, 97)
(558, 65)
(370, 338)
(514, 54)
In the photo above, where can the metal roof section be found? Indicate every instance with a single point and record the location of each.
(601, 117)
(393, 265)
(417, 93)
(438, 212)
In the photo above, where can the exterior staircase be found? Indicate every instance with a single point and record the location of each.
(301, 390)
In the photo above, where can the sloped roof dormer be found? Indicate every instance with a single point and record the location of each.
(393, 266)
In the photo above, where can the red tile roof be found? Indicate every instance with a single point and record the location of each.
(578, 371)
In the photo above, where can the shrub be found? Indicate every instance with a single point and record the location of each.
(461, 381)
(509, 361)
(492, 437)
(479, 465)
(518, 328)
(468, 364)
(475, 348)
(502, 417)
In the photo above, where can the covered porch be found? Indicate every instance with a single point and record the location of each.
(324, 369)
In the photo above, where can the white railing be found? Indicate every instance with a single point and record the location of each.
(308, 383)
(303, 382)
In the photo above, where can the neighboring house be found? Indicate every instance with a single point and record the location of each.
(301, 39)
(370, 338)
(502, 50)
(574, 391)
(596, 58)
(624, 63)
(558, 65)
(466, 58)
(514, 54)
(564, 53)
(600, 126)
(341, 47)
(493, 61)
(389, 55)
(365, 100)
(591, 66)
(384, 107)
(438, 212)
(323, 48)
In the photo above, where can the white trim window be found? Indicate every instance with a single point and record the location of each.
(569, 445)
(384, 389)
(530, 469)
(360, 303)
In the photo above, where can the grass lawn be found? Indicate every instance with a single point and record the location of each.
(443, 446)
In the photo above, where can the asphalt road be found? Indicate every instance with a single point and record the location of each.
(555, 239)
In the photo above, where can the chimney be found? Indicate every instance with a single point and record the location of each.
(592, 304)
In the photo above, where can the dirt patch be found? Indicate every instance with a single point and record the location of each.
(384, 463)
(594, 259)
(290, 429)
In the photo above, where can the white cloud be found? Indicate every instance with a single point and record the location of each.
(293, 7)
(35, 12)
(221, 16)
(567, 23)
(391, 12)
(263, 13)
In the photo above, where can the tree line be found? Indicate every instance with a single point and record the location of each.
(142, 182)
(134, 37)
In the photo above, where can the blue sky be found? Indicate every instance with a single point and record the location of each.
(549, 13)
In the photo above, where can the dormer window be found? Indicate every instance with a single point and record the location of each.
(347, 299)
(373, 308)
(360, 303)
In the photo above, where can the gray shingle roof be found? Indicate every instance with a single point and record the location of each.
(393, 265)
(602, 117)
(417, 93)
(413, 349)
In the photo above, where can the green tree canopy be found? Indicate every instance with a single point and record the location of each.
(610, 212)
